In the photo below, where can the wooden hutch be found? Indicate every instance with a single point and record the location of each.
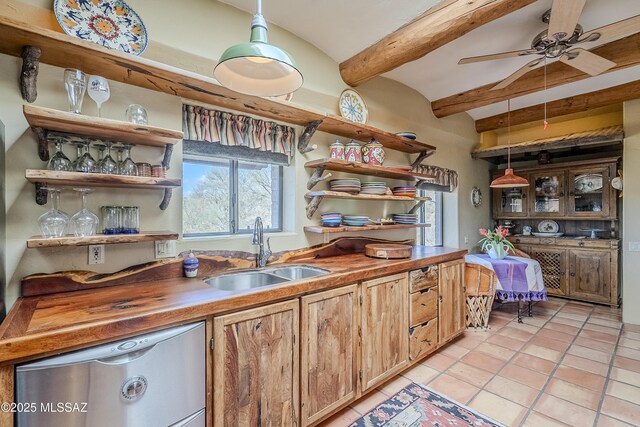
(579, 197)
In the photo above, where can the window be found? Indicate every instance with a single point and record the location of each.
(431, 213)
(223, 197)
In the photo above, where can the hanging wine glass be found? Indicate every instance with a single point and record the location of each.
(53, 223)
(99, 91)
(108, 165)
(59, 161)
(84, 222)
(127, 166)
(100, 147)
(86, 163)
(75, 81)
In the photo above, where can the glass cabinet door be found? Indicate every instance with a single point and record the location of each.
(547, 193)
(589, 192)
(511, 202)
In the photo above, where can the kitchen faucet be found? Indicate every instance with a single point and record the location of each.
(258, 239)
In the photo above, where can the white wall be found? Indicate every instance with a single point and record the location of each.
(206, 28)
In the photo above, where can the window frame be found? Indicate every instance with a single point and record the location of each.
(422, 232)
(233, 197)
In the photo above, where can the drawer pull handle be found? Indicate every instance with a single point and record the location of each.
(572, 274)
(425, 269)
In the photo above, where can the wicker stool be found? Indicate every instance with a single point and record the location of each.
(480, 284)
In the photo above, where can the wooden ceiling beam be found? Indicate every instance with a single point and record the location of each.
(624, 52)
(562, 107)
(429, 31)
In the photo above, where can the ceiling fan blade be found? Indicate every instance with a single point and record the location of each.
(502, 55)
(564, 18)
(614, 31)
(586, 61)
(521, 72)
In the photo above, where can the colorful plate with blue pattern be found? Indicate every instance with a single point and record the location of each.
(109, 23)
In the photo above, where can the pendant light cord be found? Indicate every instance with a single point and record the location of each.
(509, 133)
(545, 123)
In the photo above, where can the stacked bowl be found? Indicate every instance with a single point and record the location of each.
(405, 218)
(405, 191)
(356, 220)
(373, 187)
(331, 219)
(347, 185)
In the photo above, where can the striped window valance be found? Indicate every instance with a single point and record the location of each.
(445, 180)
(219, 133)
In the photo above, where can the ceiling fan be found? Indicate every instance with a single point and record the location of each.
(560, 40)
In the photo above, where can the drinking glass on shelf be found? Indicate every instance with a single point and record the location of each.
(100, 147)
(107, 164)
(127, 166)
(86, 163)
(136, 114)
(75, 81)
(111, 219)
(53, 223)
(84, 222)
(130, 220)
(59, 161)
(98, 91)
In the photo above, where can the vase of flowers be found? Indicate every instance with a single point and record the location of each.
(495, 242)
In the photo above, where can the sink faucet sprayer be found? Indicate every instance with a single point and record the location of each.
(258, 239)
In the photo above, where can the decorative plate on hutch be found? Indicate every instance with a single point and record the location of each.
(352, 106)
(109, 23)
(548, 226)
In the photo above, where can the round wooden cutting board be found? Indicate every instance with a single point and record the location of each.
(387, 250)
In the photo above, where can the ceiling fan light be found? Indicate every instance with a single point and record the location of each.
(509, 180)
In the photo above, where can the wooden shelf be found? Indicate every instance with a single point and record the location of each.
(364, 169)
(373, 197)
(64, 51)
(95, 127)
(100, 239)
(80, 179)
(346, 228)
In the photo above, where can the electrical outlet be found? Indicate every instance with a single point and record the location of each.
(634, 246)
(165, 249)
(96, 254)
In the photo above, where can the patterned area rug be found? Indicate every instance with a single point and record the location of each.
(417, 406)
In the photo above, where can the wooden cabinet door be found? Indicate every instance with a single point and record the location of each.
(590, 275)
(385, 326)
(451, 300)
(589, 193)
(256, 370)
(328, 352)
(547, 194)
(553, 263)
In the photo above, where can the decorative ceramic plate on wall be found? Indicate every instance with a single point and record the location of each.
(352, 106)
(109, 23)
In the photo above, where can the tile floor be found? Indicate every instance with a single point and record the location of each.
(571, 364)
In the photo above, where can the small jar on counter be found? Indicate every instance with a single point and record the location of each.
(190, 266)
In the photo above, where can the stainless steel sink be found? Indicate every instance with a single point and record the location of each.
(298, 272)
(245, 280)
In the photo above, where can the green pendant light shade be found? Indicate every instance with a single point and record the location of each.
(258, 68)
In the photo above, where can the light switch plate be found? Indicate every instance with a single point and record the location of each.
(165, 249)
(634, 246)
(96, 254)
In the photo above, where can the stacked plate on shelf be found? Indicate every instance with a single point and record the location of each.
(405, 218)
(405, 191)
(347, 185)
(356, 220)
(373, 187)
(331, 219)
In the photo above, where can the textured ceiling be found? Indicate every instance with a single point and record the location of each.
(343, 28)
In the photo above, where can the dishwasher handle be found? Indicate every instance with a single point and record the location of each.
(113, 352)
(122, 359)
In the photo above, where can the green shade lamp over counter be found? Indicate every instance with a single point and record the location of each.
(258, 68)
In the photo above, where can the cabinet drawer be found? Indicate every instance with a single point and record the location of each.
(424, 306)
(426, 277)
(423, 339)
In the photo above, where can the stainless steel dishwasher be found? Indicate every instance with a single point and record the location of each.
(157, 379)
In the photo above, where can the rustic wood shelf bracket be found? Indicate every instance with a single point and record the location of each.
(317, 177)
(421, 157)
(313, 205)
(29, 73)
(166, 160)
(417, 207)
(303, 141)
(43, 143)
(166, 198)
(41, 193)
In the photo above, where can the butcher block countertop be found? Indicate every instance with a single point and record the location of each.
(39, 326)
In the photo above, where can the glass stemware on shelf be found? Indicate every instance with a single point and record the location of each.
(86, 163)
(98, 91)
(59, 161)
(126, 166)
(75, 82)
(84, 222)
(107, 164)
(53, 223)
